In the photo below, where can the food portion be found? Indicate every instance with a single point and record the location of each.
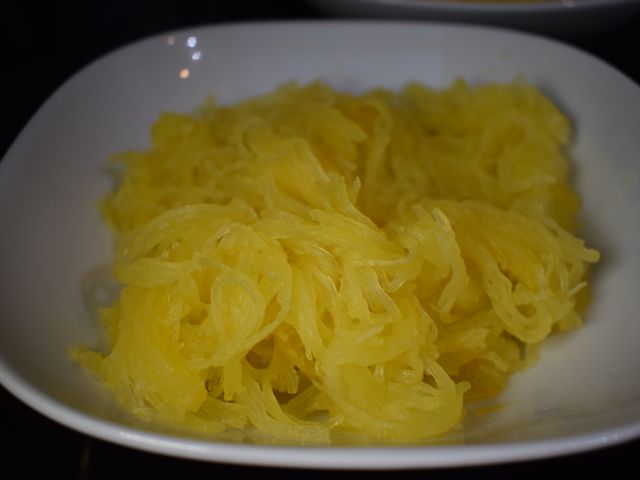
(312, 263)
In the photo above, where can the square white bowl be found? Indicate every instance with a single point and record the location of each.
(585, 391)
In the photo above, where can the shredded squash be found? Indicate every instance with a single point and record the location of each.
(311, 262)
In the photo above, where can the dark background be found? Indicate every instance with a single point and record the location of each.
(41, 45)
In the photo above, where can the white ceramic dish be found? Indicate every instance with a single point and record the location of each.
(583, 394)
(566, 18)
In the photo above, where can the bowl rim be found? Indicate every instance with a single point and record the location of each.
(521, 7)
(374, 457)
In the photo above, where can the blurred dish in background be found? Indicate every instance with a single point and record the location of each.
(564, 18)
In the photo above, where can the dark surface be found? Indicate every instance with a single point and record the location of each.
(41, 45)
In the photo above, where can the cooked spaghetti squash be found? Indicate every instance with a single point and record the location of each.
(311, 262)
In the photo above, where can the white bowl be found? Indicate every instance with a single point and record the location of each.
(566, 18)
(583, 394)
